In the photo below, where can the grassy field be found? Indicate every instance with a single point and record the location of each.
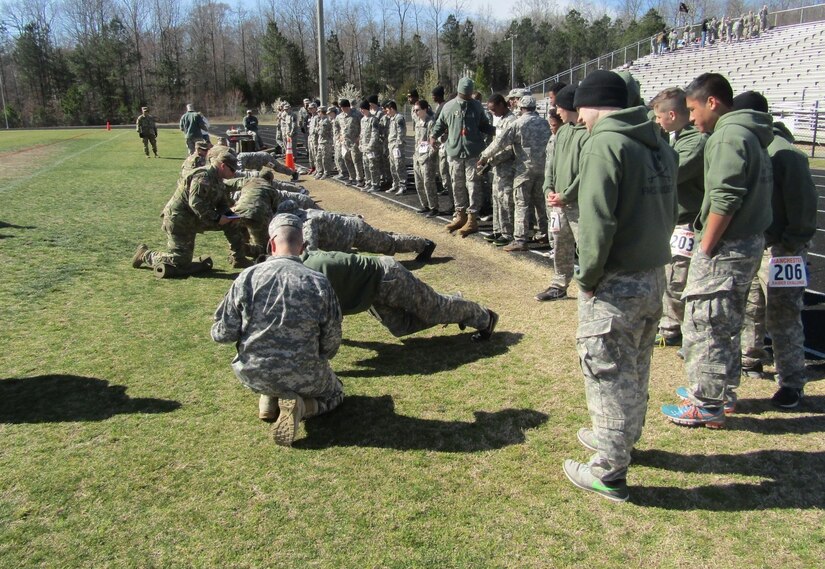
(126, 441)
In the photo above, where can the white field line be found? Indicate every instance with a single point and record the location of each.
(51, 165)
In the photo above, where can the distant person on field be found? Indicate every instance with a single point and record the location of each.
(250, 123)
(192, 125)
(148, 131)
(285, 320)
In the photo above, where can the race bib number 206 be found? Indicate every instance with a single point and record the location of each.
(787, 272)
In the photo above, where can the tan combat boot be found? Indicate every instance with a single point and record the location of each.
(267, 408)
(310, 407)
(459, 219)
(471, 226)
(292, 411)
(137, 258)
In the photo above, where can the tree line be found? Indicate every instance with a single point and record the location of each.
(85, 62)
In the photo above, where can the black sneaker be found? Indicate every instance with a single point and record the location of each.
(423, 210)
(787, 397)
(427, 253)
(755, 371)
(502, 241)
(491, 237)
(432, 213)
(551, 293)
(484, 335)
(662, 341)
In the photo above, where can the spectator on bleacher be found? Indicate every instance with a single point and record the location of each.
(674, 39)
(777, 309)
(728, 29)
(561, 193)
(661, 41)
(627, 203)
(705, 28)
(763, 19)
(738, 27)
(730, 230)
(673, 116)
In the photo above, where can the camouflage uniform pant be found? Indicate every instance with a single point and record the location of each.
(374, 240)
(339, 160)
(424, 169)
(564, 245)
(180, 242)
(372, 172)
(190, 143)
(398, 166)
(777, 310)
(312, 150)
(503, 204)
(715, 295)
(326, 390)
(444, 174)
(404, 304)
(615, 343)
(673, 307)
(258, 229)
(147, 140)
(467, 185)
(325, 160)
(529, 199)
(351, 155)
(384, 167)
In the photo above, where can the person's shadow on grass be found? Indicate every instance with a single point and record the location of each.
(59, 398)
(372, 422)
(791, 480)
(6, 225)
(426, 356)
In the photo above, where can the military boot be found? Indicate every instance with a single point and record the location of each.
(238, 261)
(471, 226)
(291, 413)
(310, 407)
(459, 219)
(268, 408)
(137, 258)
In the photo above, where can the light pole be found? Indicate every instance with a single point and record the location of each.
(322, 55)
(513, 61)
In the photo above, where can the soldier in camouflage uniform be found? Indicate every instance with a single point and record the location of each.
(370, 146)
(673, 116)
(425, 160)
(148, 131)
(264, 158)
(503, 174)
(397, 147)
(303, 116)
(289, 125)
(350, 138)
(383, 154)
(627, 203)
(730, 234)
(337, 147)
(285, 321)
(196, 160)
(326, 153)
(257, 204)
(777, 309)
(528, 136)
(312, 137)
(443, 165)
(560, 188)
(395, 297)
(341, 232)
(200, 203)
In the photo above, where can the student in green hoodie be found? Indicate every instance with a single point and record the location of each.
(672, 115)
(730, 229)
(627, 210)
(772, 308)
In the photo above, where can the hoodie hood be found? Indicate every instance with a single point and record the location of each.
(634, 89)
(760, 124)
(633, 123)
(780, 130)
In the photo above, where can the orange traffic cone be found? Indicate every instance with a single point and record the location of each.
(289, 159)
(108, 126)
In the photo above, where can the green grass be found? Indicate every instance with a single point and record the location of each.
(127, 441)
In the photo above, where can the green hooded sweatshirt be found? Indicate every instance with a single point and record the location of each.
(794, 193)
(565, 167)
(738, 176)
(627, 197)
(465, 123)
(690, 183)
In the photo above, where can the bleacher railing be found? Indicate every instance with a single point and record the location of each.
(628, 54)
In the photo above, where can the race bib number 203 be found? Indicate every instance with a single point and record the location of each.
(682, 242)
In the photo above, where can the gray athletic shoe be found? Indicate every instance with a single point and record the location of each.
(579, 474)
(588, 439)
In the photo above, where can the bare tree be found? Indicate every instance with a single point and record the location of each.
(436, 13)
(402, 7)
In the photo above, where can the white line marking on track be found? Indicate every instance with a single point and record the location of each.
(51, 165)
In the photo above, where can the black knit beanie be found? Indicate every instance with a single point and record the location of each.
(750, 100)
(564, 98)
(601, 89)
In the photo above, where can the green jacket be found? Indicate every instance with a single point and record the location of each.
(794, 198)
(355, 278)
(570, 140)
(191, 124)
(738, 176)
(690, 183)
(465, 123)
(627, 197)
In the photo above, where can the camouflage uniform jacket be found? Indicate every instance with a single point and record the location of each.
(396, 131)
(337, 129)
(370, 140)
(322, 229)
(285, 321)
(192, 162)
(528, 135)
(502, 159)
(423, 127)
(312, 128)
(303, 118)
(146, 126)
(289, 125)
(351, 128)
(199, 200)
(325, 131)
(259, 199)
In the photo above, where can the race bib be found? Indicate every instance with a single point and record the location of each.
(787, 272)
(423, 147)
(554, 222)
(396, 153)
(682, 242)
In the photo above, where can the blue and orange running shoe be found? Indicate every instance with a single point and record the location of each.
(690, 415)
(730, 399)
